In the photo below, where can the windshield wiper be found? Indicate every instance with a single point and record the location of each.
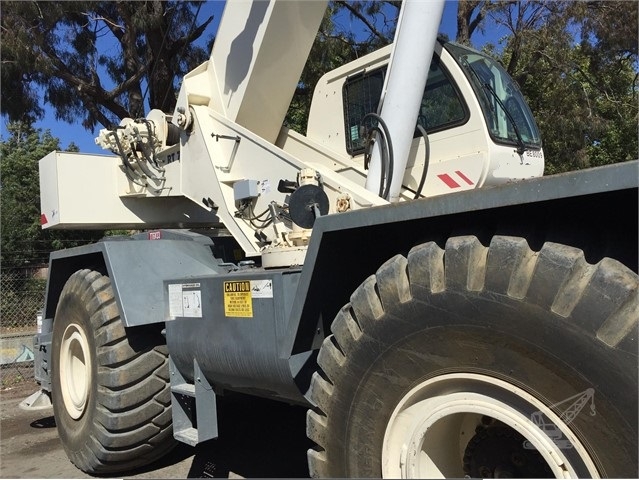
(521, 148)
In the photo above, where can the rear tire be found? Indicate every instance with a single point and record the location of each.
(446, 363)
(110, 389)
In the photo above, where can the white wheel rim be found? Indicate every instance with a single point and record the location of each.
(431, 427)
(75, 370)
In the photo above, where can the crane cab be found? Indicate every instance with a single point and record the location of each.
(480, 132)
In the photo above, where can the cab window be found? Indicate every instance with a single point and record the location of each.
(442, 106)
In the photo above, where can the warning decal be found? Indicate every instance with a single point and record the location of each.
(262, 288)
(185, 302)
(175, 301)
(192, 303)
(237, 299)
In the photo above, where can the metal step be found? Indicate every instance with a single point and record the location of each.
(184, 389)
(187, 435)
(194, 407)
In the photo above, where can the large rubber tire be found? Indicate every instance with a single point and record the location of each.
(110, 386)
(487, 335)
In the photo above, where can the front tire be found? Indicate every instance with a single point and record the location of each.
(110, 389)
(475, 361)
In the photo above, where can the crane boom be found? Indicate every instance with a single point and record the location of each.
(259, 45)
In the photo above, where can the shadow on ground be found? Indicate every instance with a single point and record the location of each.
(257, 438)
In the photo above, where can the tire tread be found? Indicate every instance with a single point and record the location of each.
(133, 424)
(557, 278)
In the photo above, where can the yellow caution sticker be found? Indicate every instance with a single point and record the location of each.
(237, 299)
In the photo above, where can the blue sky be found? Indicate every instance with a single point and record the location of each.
(75, 133)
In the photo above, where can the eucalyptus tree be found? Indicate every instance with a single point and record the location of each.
(96, 62)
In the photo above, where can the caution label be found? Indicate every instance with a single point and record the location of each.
(237, 299)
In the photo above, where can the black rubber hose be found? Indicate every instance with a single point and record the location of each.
(383, 148)
(388, 159)
(142, 164)
(149, 131)
(370, 142)
(128, 168)
(391, 159)
(426, 161)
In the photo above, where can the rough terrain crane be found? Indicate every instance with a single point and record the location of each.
(403, 269)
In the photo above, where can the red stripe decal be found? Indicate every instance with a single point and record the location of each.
(43, 219)
(464, 177)
(448, 180)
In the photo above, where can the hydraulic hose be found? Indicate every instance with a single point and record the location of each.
(128, 168)
(370, 141)
(153, 158)
(386, 149)
(422, 130)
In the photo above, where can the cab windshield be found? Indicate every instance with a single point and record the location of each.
(507, 115)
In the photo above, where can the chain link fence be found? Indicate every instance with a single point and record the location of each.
(21, 299)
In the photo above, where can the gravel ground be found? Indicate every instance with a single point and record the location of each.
(258, 438)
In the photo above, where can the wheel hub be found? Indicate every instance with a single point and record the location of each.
(497, 451)
(75, 370)
(469, 424)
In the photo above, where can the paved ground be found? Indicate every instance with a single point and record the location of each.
(269, 442)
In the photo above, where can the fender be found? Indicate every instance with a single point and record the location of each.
(137, 269)
(594, 210)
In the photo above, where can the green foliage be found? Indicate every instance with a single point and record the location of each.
(374, 20)
(61, 48)
(332, 48)
(579, 77)
(23, 241)
(21, 298)
(576, 62)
